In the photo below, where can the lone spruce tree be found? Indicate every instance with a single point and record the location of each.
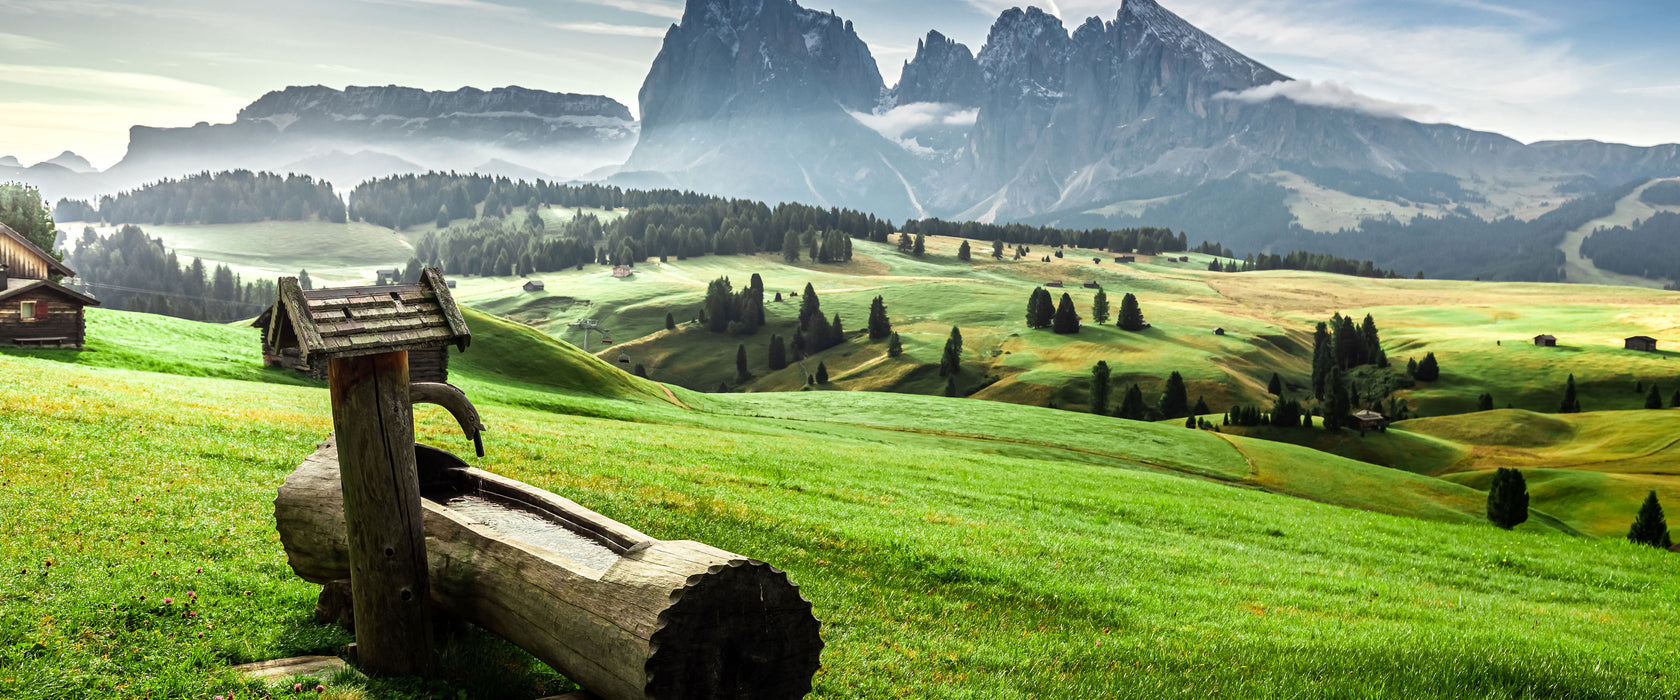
(879, 325)
(1275, 387)
(1099, 388)
(997, 249)
(1674, 401)
(1484, 402)
(1132, 408)
(670, 322)
(950, 362)
(809, 306)
(1653, 400)
(1507, 504)
(1066, 320)
(1131, 315)
(741, 372)
(778, 353)
(1570, 404)
(822, 372)
(1650, 528)
(1175, 401)
(1099, 308)
(894, 346)
(963, 253)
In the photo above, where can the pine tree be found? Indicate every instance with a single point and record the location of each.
(1131, 407)
(997, 249)
(790, 247)
(822, 373)
(920, 248)
(1190, 422)
(1507, 504)
(1674, 401)
(1323, 359)
(951, 386)
(308, 284)
(950, 362)
(1650, 527)
(778, 354)
(443, 217)
(1411, 367)
(1427, 370)
(741, 372)
(1653, 400)
(894, 347)
(670, 322)
(1099, 308)
(1373, 346)
(1570, 403)
(963, 252)
(809, 306)
(1275, 387)
(879, 326)
(641, 370)
(719, 307)
(1337, 407)
(1484, 402)
(1175, 401)
(1066, 320)
(1201, 408)
(836, 332)
(1099, 388)
(1131, 316)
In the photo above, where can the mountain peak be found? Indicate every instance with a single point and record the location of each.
(1145, 22)
(72, 162)
(943, 71)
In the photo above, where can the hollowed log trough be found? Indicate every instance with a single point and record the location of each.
(622, 614)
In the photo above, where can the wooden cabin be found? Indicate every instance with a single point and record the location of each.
(34, 310)
(305, 327)
(623, 271)
(1125, 259)
(1642, 343)
(534, 286)
(1546, 341)
(387, 276)
(1093, 285)
(1053, 283)
(1219, 331)
(1370, 420)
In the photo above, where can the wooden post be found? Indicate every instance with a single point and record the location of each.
(374, 422)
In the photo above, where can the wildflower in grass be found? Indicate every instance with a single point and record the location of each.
(320, 689)
(168, 601)
(298, 687)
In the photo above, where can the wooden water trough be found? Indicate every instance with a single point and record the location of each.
(407, 527)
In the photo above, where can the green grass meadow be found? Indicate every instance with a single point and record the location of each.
(953, 548)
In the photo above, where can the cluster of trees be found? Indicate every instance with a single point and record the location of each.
(1303, 260)
(1662, 194)
(1426, 371)
(1507, 507)
(1285, 413)
(131, 271)
(1174, 401)
(75, 210)
(231, 197)
(1043, 311)
(22, 209)
(1646, 249)
(1145, 240)
(402, 201)
(1571, 403)
(1339, 345)
(816, 333)
(498, 247)
(735, 313)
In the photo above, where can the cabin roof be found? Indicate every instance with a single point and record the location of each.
(1643, 337)
(351, 321)
(1368, 415)
(38, 285)
(1545, 337)
(52, 263)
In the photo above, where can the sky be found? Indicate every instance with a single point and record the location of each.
(75, 74)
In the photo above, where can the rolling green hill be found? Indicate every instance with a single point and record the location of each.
(953, 548)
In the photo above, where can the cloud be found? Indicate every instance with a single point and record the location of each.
(475, 5)
(897, 122)
(1650, 90)
(654, 8)
(19, 42)
(1331, 94)
(106, 85)
(611, 29)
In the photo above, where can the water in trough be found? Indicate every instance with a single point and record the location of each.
(533, 529)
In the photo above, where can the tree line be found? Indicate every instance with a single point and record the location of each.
(229, 197)
(1145, 240)
(1305, 261)
(130, 271)
(1649, 248)
(404, 201)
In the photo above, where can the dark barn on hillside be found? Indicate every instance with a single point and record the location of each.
(34, 310)
(1546, 341)
(1642, 343)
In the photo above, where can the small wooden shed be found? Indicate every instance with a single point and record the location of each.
(1053, 283)
(1642, 343)
(1546, 341)
(534, 286)
(350, 321)
(1093, 284)
(1370, 420)
(623, 271)
(386, 276)
(1125, 259)
(34, 310)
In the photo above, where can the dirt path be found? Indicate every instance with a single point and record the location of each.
(673, 398)
(1253, 471)
(1580, 270)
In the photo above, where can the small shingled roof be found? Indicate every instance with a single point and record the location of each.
(62, 290)
(52, 263)
(351, 321)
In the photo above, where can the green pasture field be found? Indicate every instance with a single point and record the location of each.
(953, 548)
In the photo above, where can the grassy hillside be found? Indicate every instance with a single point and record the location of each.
(952, 549)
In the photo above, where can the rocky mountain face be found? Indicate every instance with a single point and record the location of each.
(753, 97)
(943, 71)
(1100, 124)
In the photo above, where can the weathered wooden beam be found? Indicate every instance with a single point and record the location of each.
(374, 423)
(624, 615)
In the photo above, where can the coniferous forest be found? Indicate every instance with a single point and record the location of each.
(130, 271)
(1649, 248)
(233, 197)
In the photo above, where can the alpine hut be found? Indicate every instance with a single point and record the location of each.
(1642, 343)
(34, 310)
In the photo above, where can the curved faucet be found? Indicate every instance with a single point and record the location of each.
(455, 401)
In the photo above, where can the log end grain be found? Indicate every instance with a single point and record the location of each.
(740, 630)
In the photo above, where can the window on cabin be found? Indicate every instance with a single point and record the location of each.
(26, 310)
(40, 311)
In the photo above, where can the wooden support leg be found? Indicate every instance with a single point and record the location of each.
(374, 421)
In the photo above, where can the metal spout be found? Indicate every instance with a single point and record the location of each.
(455, 401)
